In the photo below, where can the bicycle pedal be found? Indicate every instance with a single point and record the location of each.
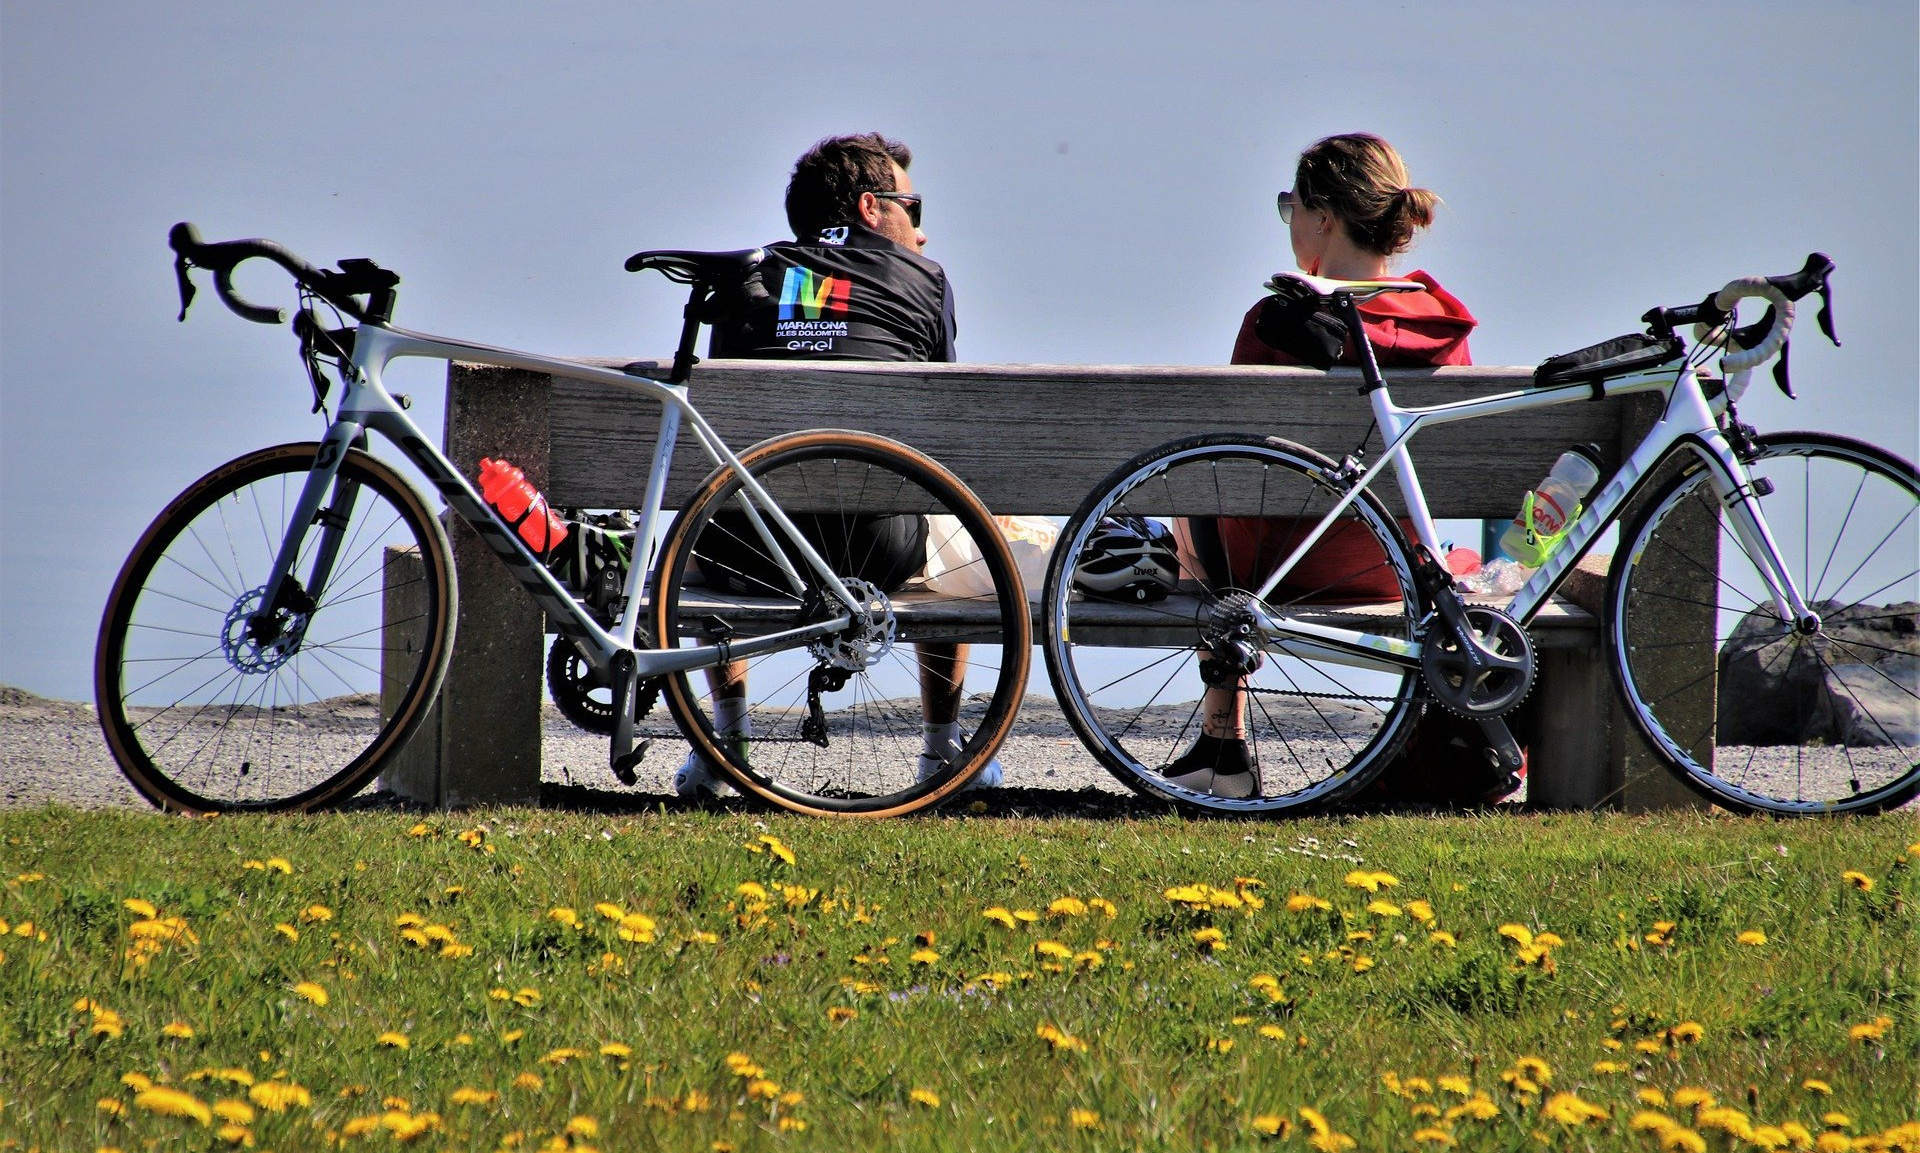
(625, 764)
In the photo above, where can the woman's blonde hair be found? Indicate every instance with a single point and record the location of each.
(1361, 179)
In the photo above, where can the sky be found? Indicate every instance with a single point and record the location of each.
(1099, 184)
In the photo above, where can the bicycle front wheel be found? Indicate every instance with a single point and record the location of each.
(206, 712)
(835, 725)
(1132, 673)
(1748, 711)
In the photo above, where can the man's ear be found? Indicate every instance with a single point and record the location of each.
(869, 209)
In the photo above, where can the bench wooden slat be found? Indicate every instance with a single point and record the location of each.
(1035, 439)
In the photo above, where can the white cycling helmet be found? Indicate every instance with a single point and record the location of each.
(1128, 558)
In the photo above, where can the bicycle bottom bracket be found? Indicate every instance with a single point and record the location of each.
(867, 637)
(1487, 679)
(239, 636)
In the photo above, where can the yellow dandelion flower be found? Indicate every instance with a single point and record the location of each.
(925, 1097)
(1210, 936)
(469, 1096)
(1442, 937)
(617, 1050)
(173, 1103)
(1362, 964)
(1836, 1120)
(279, 865)
(1053, 949)
(237, 1112)
(637, 927)
(420, 830)
(179, 1030)
(286, 930)
(1000, 916)
(1383, 908)
(1271, 1124)
(562, 1055)
(1104, 907)
(1454, 1083)
(1272, 1032)
(1648, 1121)
(1518, 934)
(529, 1081)
(393, 1040)
(1858, 880)
(1083, 1118)
(742, 1065)
(1815, 1085)
(311, 991)
(1683, 1140)
(1692, 1097)
(1420, 911)
(583, 1127)
(777, 848)
(1027, 915)
(111, 1106)
(1645, 1045)
(1068, 907)
(924, 956)
(279, 1096)
(839, 1014)
(314, 914)
(1752, 937)
(1870, 1031)
(1651, 1097)
(1608, 1067)
(1687, 1032)
(500, 994)
(512, 1036)
(1831, 1142)
(1570, 1110)
(527, 997)
(609, 910)
(138, 907)
(1434, 1135)
(1186, 894)
(1306, 903)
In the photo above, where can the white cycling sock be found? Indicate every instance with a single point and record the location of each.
(730, 717)
(943, 740)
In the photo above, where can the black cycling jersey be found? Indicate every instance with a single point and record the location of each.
(849, 294)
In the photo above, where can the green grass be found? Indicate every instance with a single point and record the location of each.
(1156, 1036)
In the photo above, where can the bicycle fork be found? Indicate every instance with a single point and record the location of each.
(277, 624)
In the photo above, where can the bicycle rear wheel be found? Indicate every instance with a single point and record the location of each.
(1751, 714)
(1130, 676)
(835, 726)
(202, 714)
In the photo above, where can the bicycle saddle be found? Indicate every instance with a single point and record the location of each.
(1291, 284)
(703, 267)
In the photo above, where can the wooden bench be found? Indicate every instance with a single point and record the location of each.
(1031, 439)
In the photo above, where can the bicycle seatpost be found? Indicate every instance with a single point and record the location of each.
(695, 314)
(1349, 310)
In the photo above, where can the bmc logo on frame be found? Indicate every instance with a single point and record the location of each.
(806, 295)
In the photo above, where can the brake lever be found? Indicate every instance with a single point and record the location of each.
(1826, 311)
(1780, 370)
(180, 267)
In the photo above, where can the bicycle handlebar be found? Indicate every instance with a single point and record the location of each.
(1759, 342)
(356, 277)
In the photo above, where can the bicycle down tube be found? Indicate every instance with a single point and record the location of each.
(367, 405)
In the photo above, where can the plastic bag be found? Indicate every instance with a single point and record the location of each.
(953, 567)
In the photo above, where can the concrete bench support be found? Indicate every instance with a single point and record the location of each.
(1030, 439)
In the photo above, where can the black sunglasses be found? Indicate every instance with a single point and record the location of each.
(908, 201)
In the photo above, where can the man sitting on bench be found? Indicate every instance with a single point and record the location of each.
(856, 220)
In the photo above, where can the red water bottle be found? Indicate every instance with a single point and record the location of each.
(506, 488)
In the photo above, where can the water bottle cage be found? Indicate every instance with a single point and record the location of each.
(1541, 545)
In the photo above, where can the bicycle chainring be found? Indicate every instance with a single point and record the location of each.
(584, 698)
(1489, 680)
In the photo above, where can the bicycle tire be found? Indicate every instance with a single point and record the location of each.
(1318, 731)
(202, 718)
(868, 764)
(1757, 718)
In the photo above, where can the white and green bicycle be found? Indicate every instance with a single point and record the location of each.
(1760, 615)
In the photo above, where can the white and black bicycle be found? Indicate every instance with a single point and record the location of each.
(272, 640)
(1760, 614)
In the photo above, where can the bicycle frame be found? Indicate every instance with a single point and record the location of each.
(368, 406)
(1687, 424)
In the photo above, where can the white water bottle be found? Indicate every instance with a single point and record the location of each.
(1541, 525)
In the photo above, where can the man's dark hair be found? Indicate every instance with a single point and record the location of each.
(827, 181)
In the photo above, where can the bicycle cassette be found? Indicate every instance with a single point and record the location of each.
(1486, 679)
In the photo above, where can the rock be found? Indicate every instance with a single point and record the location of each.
(1856, 684)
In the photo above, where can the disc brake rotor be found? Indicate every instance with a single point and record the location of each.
(868, 636)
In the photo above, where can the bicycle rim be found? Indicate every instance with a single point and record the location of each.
(859, 500)
(1129, 676)
(201, 714)
(1746, 711)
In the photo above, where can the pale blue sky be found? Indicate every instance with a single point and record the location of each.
(1100, 183)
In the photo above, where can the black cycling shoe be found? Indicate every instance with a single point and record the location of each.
(1222, 766)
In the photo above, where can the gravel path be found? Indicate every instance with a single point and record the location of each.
(52, 752)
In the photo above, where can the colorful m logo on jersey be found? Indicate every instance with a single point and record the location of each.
(806, 295)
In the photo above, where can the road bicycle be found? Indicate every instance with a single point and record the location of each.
(283, 626)
(1760, 613)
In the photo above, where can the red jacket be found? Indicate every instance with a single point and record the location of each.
(1408, 330)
